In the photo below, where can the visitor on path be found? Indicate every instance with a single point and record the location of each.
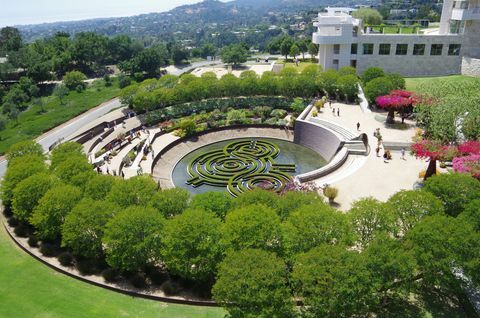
(330, 103)
(153, 155)
(385, 157)
(378, 151)
(358, 126)
(333, 111)
(338, 111)
(108, 172)
(403, 153)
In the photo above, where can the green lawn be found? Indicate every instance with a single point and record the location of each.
(33, 122)
(413, 82)
(31, 289)
(301, 66)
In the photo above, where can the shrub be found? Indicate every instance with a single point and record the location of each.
(110, 275)
(138, 280)
(278, 113)
(65, 258)
(158, 277)
(86, 266)
(49, 249)
(22, 230)
(74, 79)
(331, 193)
(171, 288)
(378, 87)
(32, 241)
(124, 81)
(371, 74)
(13, 222)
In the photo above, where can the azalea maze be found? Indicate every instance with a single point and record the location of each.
(241, 166)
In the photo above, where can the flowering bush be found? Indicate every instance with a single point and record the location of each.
(397, 100)
(470, 147)
(429, 149)
(468, 164)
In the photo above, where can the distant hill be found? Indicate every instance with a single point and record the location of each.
(185, 19)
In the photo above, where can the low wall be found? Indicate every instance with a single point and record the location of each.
(316, 137)
(470, 66)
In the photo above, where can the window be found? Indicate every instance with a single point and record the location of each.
(436, 49)
(353, 63)
(368, 48)
(336, 49)
(454, 49)
(335, 62)
(419, 49)
(401, 49)
(384, 49)
(354, 48)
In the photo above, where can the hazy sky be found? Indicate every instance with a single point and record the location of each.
(38, 11)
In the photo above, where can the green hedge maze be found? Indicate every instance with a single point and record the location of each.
(241, 166)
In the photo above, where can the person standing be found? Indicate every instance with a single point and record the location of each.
(358, 125)
(338, 111)
(403, 153)
(377, 150)
(333, 111)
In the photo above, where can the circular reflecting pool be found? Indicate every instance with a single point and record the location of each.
(239, 165)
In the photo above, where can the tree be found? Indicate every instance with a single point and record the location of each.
(208, 49)
(398, 100)
(440, 244)
(455, 190)
(53, 207)
(257, 196)
(313, 50)
(252, 226)
(61, 91)
(368, 16)
(99, 185)
(74, 79)
(303, 47)
(178, 53)
(327, 81)
(293, 200)
(234, 54)
(378, 87)
(73, 167)
(370, 217)
(134, 191)
(372, 73)
(132, 238)
(89, 51)
(65, 151)
(19, 169)
(84, 227)
(324, 277)
(170, 202)
(431, 150)
(217, 202)
(411, 206)
(190, 246)
(313, 225)
(348, 86)
(24, 148)
(294, 50)
(10, 40)
(28, 192)
(397, 80)
(147, 61)
(253, 283)
(286, 46)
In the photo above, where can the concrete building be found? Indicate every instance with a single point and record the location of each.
(453, 48)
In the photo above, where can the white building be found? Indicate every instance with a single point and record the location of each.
(454, 48)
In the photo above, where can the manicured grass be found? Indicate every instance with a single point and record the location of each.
(31, 289)
(414, 82)
(301, 66)
(35, 121)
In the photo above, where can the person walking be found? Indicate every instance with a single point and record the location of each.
(333, 111)
(338, 111)
(403, 153)
(358, 125)
(377, 150)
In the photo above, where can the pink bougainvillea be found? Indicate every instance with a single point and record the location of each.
(468, 164)
(470, 148)
(429, 149)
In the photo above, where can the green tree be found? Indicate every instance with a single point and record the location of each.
(257, 196)
(411, 206)
(134, 191)
(99, 185)
(368, 16)
(253, 283)
(455, 190)
(378, 87)
(132, 238)
(327, 81)
(84, 227)
(347, 70)
(286, 46)
(252, 226)
(190, 245)
(348, 86)
(372, 73)
(234, 54)
(170, 202)
(89, 51)
(370, 217)
(292, 200)
(65, 151)
(472, 214)
(61, 91)
(74, 79)
(326, 276)
(28, 192)
(19, 169)
(217, 202)
(294, 50)
(73, 167)
(148, 61)
(10, 40)
(49, 215)
(23, 148)
(313, 225)
(208, 49)
(397, 80)
(178, 54)
(303, 47)
(313, 50)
